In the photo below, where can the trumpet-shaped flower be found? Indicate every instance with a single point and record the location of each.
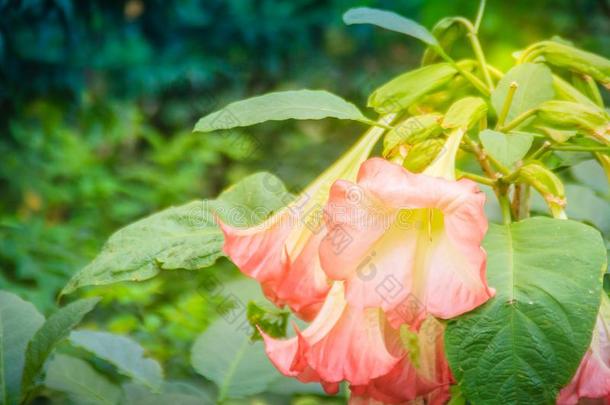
(424, 375)
(360, 347)
(592, 380)
(282, 252)
(415, 240)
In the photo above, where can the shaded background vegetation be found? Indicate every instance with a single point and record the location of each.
(98, 99)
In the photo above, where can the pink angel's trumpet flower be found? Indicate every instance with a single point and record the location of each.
(341, 344)
(425, 375)
(592, 379)
(282, 252)
(415, 240)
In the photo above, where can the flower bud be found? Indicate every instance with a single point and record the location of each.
(446, 31)
(565, 114)
(465, 113)
(423, 154)
(565, 56)
(547, 184)
(402, 91)
(411, 131)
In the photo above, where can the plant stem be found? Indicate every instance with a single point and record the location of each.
(512, 88)
(476, 82)
(518, 120)
(545, 146)
(505, 206)
(478, 52)
(475, 177)
(578, 148)
(481, 157)
(516, 205)
(480, 11)
(503, 169)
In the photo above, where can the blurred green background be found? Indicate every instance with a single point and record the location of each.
(98, 99)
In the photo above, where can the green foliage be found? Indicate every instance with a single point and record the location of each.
(50, 334)
(184, 237)
(80, 382)
(271, 320)
(525, 344)
(390, 21)
(506, 148)
(96, 105)
(402, 91)
(534, 85)
(19, 320)
(122, 352)
(301, 104)
(240, 368)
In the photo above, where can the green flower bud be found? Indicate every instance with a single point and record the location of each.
(446, 31)
(565, 56)
(566, 114)
(465, 113)
(421, 155)
(411, 131)
(402, 91)
(547, 184)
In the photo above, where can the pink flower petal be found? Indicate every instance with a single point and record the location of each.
(282, 252)
(341, 344)
(592, 379)
(412, 235)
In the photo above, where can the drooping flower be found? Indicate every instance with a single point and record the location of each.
(282, 252)
(424, 374)
(360, 347)
(415, 240)
(592, 379)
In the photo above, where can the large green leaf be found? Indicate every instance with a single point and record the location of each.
(225, 355)
(535, 85)
(278, 106)
(126, 354)
(80, 382)
(525, 344)
(19, 320)
(53, 331)
(506, 148)
(184, 237)
(390, 21)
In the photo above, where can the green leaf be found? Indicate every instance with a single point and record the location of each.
(390, 21)
(506, 148)
(585, 205)
(535, 86)
(19, 320)
(279, 106)
(53, 331)
(80, 381)
(525, 344)
(184, 237)
(252, 200)
(225, 355)
(172, 393)
(592, 174)
(404, 90)
(126, 354)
